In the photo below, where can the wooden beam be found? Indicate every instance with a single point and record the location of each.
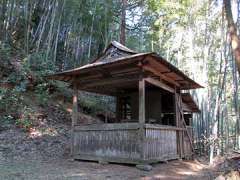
(104, 72)
(166, 72)
(183, 123)
(109, 81)
(159, 84)
(108, 127)
(186, 107)
(119, 73)
(98, 74)
(108, 92)
(162, 76)
(74, 113)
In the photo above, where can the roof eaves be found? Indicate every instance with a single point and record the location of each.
(175, 69)
(97, 64)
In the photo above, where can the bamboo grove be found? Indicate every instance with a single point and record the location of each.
(55, 35)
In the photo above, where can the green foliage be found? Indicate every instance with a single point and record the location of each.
(25, 120)
(42, 94)
(92, 103)
(38, 65)
(6, 120)
(5, 66)
(10, 100)
(5, 51)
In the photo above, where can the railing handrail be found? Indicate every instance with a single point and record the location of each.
(124, 126)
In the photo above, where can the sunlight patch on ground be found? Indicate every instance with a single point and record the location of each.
(184, 172)
(69, 110)
(195, 166)
(74, 175)
(40, 132)
(159, 176)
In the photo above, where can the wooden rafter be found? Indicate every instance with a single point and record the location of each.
(159, 84)
(162, 76)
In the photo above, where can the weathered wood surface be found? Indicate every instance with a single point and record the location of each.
(142, 115)
(107, 141)
(183, 123)
(107, 127)
(119, 142)
(141, 101)
(188, 151)
(159, 84)
(160, 142)
(116, 59)
(162, 127)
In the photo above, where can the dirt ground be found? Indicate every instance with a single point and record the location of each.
(61, 169)
(25, 156)
(43, 154)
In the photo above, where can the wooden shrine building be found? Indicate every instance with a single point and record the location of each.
(153, 116)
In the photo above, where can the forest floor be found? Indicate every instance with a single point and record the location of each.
(58, 169)
(43, 153)
(25, 157)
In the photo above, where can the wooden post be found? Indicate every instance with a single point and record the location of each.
(141, 116)
(177, 120)
(118, 109)
(74, 113)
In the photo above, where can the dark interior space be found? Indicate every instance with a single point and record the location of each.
(159, 106)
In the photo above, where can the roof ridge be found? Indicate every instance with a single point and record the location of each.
(120, 46)
(114, 47)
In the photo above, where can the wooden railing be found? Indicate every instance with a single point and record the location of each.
(120, 141)
(107, 141)
(161, 142)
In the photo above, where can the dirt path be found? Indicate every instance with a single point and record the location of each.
(62, 169)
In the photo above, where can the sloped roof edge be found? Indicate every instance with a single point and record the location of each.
(188, 99)
(129, 55)
(174, 68)
(91, 65)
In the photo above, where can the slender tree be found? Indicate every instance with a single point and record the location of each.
(232, 29)
(235, 44)
(123, 23)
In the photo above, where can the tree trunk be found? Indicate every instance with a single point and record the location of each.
(2, 18)
(123, 23)
(232, 29)
(91, 32)
(235, 103)
(215, 129)
(58, 32)
(44, 26)
(51, 33)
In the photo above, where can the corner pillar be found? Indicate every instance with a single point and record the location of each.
(178, 124)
